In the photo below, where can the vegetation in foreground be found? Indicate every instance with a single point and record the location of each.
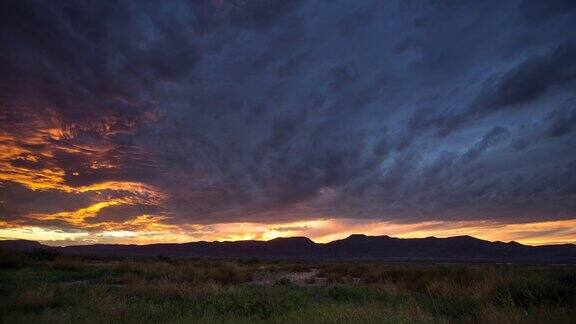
(43, 287)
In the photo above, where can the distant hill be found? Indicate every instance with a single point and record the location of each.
(20, 245)
(354, 247)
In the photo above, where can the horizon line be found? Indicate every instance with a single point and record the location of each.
(44, 242)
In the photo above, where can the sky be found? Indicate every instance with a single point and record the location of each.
(175, 121)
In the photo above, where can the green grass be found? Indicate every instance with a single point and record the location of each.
(69, 290)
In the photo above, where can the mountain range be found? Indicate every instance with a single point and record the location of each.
(355, 247)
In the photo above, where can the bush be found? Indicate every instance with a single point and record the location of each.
(228, 273)
(345, 293)
(12, 260)
(34, 300)
(454, 306)
(128, 267)
(44, 254)
(282, 282)
(528, 292)
(67, 265)
(163, 258)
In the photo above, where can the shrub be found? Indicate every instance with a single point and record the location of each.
(163, 258)
(128, 267)
(44, 254)
(190, 273)
(454, 306)
(249, 261)
(67, 265)
(282, 282)
(228, 273)
(345, 293)
(12, 260)
(34, 300)
(527, 292)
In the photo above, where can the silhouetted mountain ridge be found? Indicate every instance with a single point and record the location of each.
(20, 245)
(354, 247)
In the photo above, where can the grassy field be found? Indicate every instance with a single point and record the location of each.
(42, 287)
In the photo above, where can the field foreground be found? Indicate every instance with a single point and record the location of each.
(43, 287)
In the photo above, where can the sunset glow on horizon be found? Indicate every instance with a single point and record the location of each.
(146, 229)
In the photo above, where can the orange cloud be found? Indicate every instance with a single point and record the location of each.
(28, 148)
(78, 217)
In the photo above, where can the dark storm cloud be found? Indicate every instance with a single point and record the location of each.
(538, 11)
(260, 14)
(493, 137)
(555, 126)
(284, 110)
(528, 81)
(339, 77)
(562, 121)
(17, 201)
(356, 20)
(121, 213)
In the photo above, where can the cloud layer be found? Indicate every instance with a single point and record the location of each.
(164, 116)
